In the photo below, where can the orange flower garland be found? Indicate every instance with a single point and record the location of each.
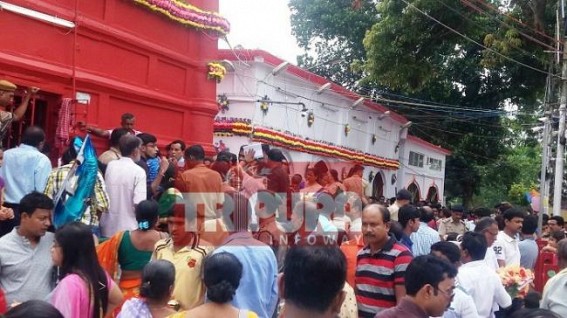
(318, 148)
(243, 127)
(231, 127)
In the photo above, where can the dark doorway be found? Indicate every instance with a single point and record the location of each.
(43, 112)
(432, 194)
(414, 189)
(378, 185)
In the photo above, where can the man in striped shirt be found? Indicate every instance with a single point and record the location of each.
(381, 264)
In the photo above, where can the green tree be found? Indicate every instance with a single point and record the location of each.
(468, 60)
(331, 31)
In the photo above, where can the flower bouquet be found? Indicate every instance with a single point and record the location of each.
(516, 280)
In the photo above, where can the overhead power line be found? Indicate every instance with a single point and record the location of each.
(477, 43)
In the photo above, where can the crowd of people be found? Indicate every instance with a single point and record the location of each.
(235, 235)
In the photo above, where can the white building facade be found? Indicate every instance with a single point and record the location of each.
(265, 99)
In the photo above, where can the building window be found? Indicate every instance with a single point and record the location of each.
(415, 159)
(435, 164)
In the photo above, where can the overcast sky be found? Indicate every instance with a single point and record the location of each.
(260, 24)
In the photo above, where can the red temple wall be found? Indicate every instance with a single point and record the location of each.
(128, 58)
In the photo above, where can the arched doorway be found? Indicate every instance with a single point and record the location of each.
(378, 185)
(432, 194)
(413, 188)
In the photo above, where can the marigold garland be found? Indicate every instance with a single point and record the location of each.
(232, 126)
(188, 15)
(318, 148)
(243, 127)
(216, 71)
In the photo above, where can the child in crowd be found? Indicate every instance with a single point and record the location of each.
(555, 237)
(157, 285)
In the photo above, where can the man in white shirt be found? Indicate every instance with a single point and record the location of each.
(403, 197)
(506, 247)
(175, 152)
(126, 187)
(127, 121)
(477, 279)
(462, 304)
(488, 227)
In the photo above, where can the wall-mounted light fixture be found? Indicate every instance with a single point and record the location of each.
(36, 15)
(303, 110)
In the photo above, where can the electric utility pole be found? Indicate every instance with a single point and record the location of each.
(560, 155)
(543, 185)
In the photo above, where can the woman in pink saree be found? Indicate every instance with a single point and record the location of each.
(85, 290)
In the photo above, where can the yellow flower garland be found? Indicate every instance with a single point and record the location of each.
(216, 71)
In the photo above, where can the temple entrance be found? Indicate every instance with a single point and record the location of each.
(414, 189)
(378, 186)
(43, 111)
(432, 194)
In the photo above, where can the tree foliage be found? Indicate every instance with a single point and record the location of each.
(469, 60)
(332, 33)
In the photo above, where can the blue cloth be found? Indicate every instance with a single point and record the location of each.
(258, 287)
(406, 241)
(153, 169)
(72, 208)
(423, 239)
(25, 169)
(528, 253)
